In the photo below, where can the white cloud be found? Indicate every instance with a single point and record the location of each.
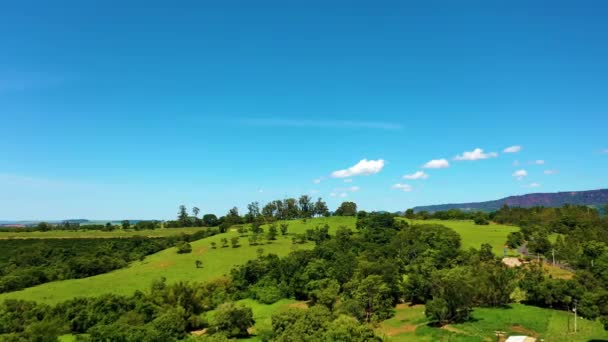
(344, 194)
(354, 188)
(404, 187)
(317, 181)
(261, 190)
(476, 154)
(512, 149)
(348, 180)
(362, 168)
(550, 172)
(538, 162)
(313, 191)
(437, 164)
(333, 194)
(417, 175)
(532, 185)
(520, 174)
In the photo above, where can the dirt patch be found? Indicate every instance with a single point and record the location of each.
(201, 251)
(521, 330)
(406, 328)
(199, 332)
(163, 264)
(452, 329)
(403, 306)
(298, 305)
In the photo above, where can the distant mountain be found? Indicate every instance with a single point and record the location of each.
(595, 198)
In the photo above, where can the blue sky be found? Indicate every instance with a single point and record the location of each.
(128, 109)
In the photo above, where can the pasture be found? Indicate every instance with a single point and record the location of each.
(473, 235)
(410, 324)
(216, 262)
(174, 267)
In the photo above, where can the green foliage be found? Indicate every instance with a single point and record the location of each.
(36, 261)
(234, 241)
(232, 320)
(284, 227)
(347, 209)
(453, 296)
(183, 247)
(515, 239)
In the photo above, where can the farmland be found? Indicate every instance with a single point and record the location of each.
(217, 262)
(410, 323)
(173, 266)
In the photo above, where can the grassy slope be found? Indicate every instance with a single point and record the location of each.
(91, 234)
(175, 267)
(473, 235)
(410, 324)
(217, 262)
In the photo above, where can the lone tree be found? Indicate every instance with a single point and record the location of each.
(272, 232)
(284, 227)
(235, 242)
(183, 247)
(347, 209)
(126, 224)
(195, 211)
(224, 242)
(213, 245)
(198, 264)
(182, 216)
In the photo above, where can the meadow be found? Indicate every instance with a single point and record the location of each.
(173, 266)
(99, 234)
(472, 235)
(216, 262)
(410, 323)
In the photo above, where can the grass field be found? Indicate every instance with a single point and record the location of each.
(474, 235)
(216, 262)
(410, 324)
(96, 234)
(175, 267)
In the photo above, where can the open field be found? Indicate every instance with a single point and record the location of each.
(217, 262)
(410, 324)
(175, 267)
(473, 235)
(96, 234)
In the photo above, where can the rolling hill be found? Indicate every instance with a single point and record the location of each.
(597, 198)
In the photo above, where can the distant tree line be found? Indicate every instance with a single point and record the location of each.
(479, 217)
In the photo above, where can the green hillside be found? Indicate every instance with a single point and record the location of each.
(217, 262)
(175, 267)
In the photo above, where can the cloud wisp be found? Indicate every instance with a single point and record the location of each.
(476, 154)
(417, 175)
(532, 185)
(550, 172)
(298, 123)
(512, 149)
(363, 168)
(402, 187)
(437, 164)
(520, 174)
